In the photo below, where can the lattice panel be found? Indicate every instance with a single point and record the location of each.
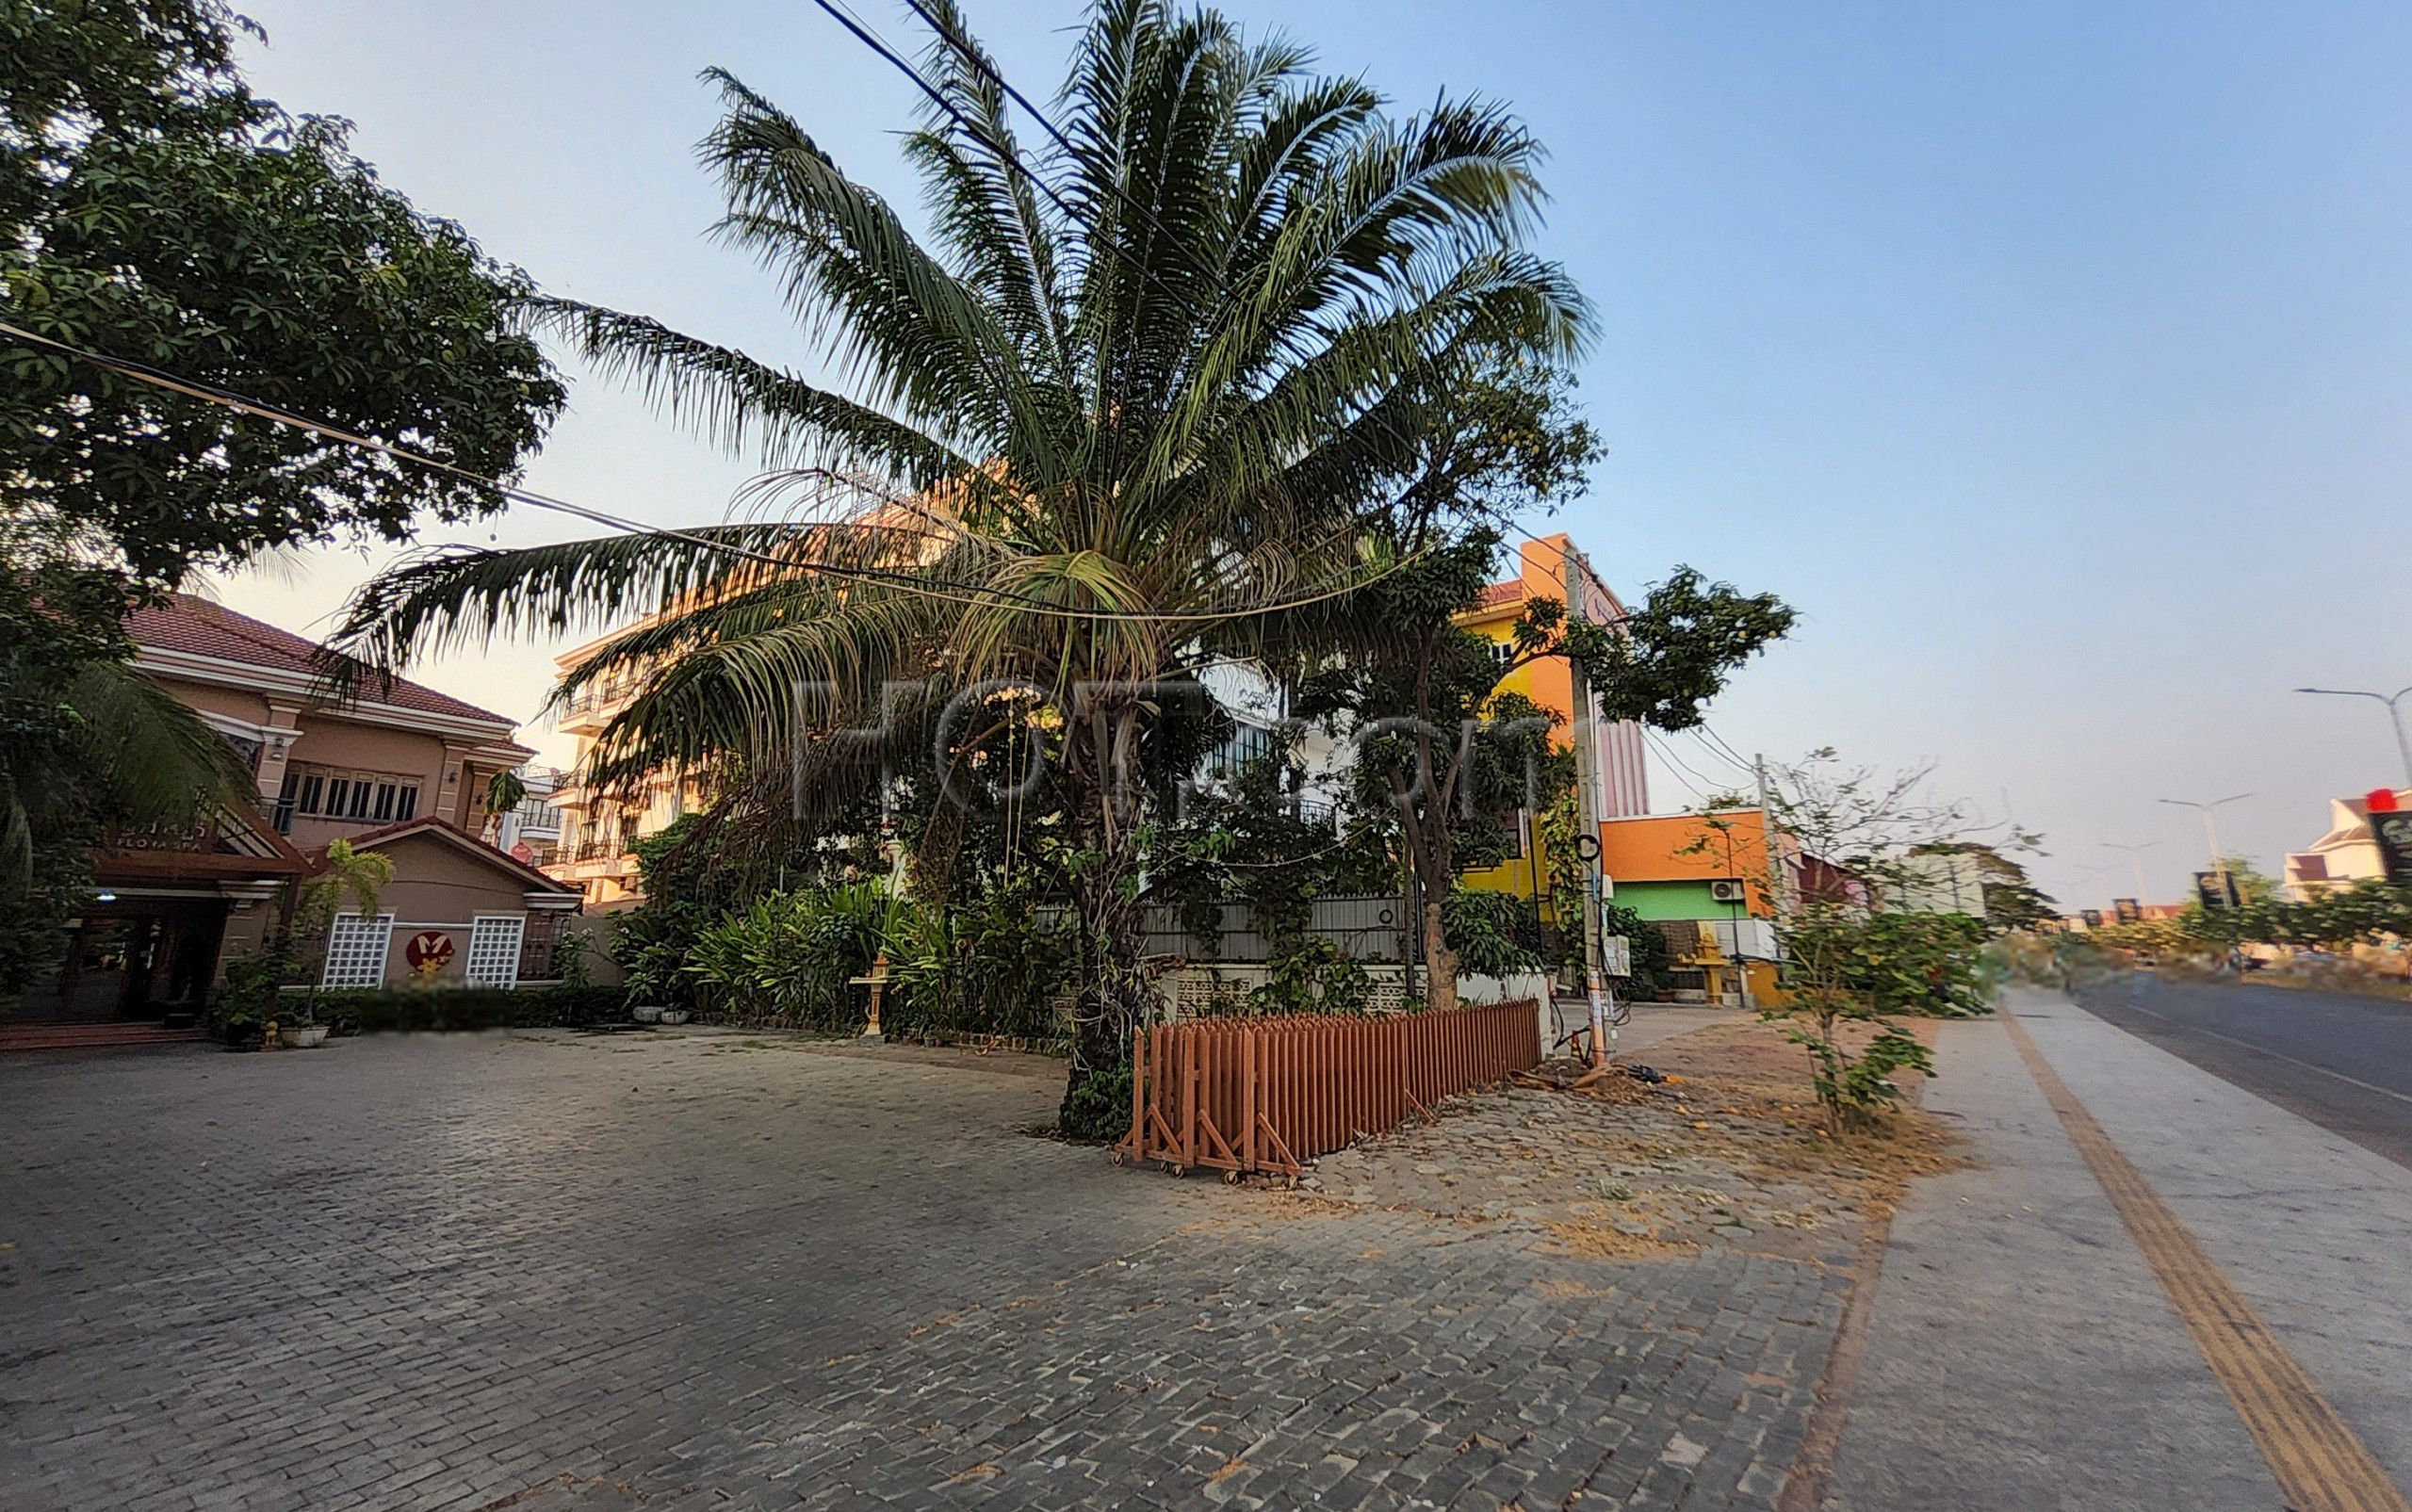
(494, 950)
(356, 950)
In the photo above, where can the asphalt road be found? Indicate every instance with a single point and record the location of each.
(2345, 1063)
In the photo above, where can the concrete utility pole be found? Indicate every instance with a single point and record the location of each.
(2136, 854)
(2395, 711)
(2211, 830)
(1587, 811)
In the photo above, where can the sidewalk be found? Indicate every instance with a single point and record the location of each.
(2022, 1353)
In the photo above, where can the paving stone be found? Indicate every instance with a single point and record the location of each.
(638, 1271)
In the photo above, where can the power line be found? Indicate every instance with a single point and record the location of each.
(1697, 734)
(1658, 744)
(905, 581)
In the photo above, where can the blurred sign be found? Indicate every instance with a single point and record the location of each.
(1616, 953)
(2217, 889)
(2128, 910)
(2392, 829)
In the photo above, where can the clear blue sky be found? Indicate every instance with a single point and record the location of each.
(2052, 358)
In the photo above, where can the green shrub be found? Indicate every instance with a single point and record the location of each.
(376, 1010)
(1098, 1107)
(1494, 934)
(989, 967)
(788, 960)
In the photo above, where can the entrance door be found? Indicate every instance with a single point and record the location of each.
(132, 959)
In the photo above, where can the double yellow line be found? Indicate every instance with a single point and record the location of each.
(2320, 1464)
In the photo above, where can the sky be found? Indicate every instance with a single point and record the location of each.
(2052, 359)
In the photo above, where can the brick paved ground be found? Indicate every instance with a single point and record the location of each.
(602, 1272)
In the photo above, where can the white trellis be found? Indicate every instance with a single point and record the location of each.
(494, 950)
(356, 946)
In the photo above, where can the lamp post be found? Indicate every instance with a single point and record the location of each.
(2136, 854)
(2211, 830)
(2394, 712)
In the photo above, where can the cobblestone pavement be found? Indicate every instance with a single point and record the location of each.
(555, 1271)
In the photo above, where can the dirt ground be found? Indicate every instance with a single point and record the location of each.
(1726, 1150)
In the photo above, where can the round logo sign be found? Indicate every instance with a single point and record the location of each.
(428, 951)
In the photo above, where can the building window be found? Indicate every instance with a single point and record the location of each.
(318, 792)
(356, 947)
(1502, 652)
(494, 950)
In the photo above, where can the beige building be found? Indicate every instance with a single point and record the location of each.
(398, 768)
(2346, 854)
(597, 851)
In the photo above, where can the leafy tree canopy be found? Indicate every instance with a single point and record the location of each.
(153, 209)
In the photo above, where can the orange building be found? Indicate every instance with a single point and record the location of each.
(1621, 785)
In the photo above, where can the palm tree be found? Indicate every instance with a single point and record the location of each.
(505, 790)
(1134, 391)
(87, 752)
(114, 750)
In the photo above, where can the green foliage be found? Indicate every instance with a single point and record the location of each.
(249, 995)
(1653, 962)
(1096, 1107)
(650, 942)
(1664, 662)
(1134, 462)
(1843, 964)
(365, 1011)
(1860, 1087)
(1241, 839)
(993, 966)
(787, 959)
(1493, 933)
(2366, 912)
(154, 209)
(1892, 962)
(505, 790)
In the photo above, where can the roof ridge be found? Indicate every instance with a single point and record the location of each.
(281, 646)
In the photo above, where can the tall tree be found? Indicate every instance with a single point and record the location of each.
(1132, 391)
(154, 210)
(1448, 751)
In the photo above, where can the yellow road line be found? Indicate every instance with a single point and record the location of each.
(2320, 1464)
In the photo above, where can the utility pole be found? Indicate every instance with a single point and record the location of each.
(2395, 711)
(2212, 832)
(2136, 854)
(1587, 812)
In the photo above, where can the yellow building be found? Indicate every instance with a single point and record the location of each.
(1621, 775)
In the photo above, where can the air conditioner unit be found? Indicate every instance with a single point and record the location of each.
(1727, 891)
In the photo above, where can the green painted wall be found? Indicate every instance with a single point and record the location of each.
(1674, 899)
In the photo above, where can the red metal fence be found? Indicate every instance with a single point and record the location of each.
(1270, 1093)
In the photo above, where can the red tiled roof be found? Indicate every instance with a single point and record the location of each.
(1495, 593)
(199, 628)
(445, 829)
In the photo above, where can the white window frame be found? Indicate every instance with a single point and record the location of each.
(345, 966)
(470, 966)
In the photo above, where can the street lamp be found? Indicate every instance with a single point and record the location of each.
(2211, 830)
(2136, 854)
(2394, 712)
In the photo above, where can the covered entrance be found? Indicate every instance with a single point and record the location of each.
(146, 949)
(132, 959)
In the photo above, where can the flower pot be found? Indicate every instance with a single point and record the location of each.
(303, 1036)
(646, 1013)
(674, 1016)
